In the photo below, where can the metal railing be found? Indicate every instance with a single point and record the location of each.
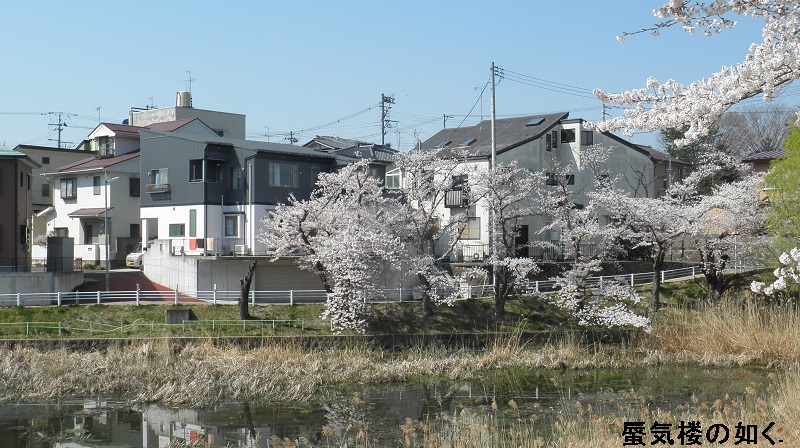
(296, 297)
(142, 326)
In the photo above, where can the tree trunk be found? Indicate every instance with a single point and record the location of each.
(655, 291)
(244, 310)
(427, 302)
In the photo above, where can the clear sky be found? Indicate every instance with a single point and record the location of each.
(320, 67)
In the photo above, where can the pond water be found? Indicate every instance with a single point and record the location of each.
(381, 408)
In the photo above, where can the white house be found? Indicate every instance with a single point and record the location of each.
(539, 143)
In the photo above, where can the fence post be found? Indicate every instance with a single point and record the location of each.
(19, 299)
(291, 297)
(138, 294)
(601, 281)
(632, 283)
(692, 272)
(59, 328)
(400, 294)
(59, 298)
(98, 297)
(252, 297)
(27, 328)
(215, 293)
(662, 276)
(176, 294)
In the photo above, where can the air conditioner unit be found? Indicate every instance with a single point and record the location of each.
(241, 249)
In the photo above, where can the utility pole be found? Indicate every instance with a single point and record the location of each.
(444, 120)
(60, 125)
(492, 217)
(386, 104)
(604, 111)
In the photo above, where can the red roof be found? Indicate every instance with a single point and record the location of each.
(764, 156)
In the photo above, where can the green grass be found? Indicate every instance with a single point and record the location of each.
(465, 316)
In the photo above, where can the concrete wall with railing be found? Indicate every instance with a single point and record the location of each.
(39, 282)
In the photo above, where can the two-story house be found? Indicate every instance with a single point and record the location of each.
(15, 222)
(96, 199)
(42, 190)
(204, 199)
(540, 143)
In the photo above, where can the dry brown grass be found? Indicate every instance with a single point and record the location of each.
(202, 373)
(728, 333)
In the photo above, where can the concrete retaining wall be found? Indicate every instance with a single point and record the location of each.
(39, 282)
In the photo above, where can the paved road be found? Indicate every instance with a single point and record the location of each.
(126, 280)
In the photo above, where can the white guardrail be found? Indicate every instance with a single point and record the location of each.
(294, 297)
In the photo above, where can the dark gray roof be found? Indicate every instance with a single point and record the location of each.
(660, 156)
(248, 145)
(764, 156)
(334, 142)
(510, 133)
(376, 152)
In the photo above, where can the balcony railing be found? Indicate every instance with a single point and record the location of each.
(157, 188)
(457, 197)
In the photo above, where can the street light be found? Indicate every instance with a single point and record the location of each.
(105, 223)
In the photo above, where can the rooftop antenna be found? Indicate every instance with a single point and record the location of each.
(98, 114)
(190, 80)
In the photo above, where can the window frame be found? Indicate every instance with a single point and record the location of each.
(234, 231)
(568, 135)
(68, 184)
(97, 185)
(277, 174)
(177, 230)
(587, 138)
(396, 173)
(473, 226)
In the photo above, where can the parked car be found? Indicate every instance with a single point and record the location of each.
(134, 259)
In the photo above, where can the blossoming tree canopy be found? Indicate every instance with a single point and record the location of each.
(768, 66)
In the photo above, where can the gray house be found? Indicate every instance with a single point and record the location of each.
(203, 201)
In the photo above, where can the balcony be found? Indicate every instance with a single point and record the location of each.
(157, 188)
(457, 197)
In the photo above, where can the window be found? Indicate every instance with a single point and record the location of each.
(192, 223)
(551, 179)
(105, 146)
(23, 234)
(62, 232)
(570, 178)
(88, 231)
(136, 231)
(472, 231)
(555, 139)
(567, 135)
(134, 187)
(21, 179)
(45, 160)
(46, 190)
(177, 230)
(196, 170)
(29, 181)
(232, 225)
(284, 175)
(214, 170)
(548, 142)
(97, 184)
(159, 176)
(393, 179)
(236, 178)
(68, 188)
(587, 138)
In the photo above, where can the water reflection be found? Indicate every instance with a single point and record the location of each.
(344, 414)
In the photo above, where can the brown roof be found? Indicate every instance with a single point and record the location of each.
(88, 212)
(94, 162)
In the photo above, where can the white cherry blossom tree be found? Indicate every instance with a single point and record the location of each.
(340, 234)
(767, 67)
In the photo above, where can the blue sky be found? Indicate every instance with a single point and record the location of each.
(294, 66)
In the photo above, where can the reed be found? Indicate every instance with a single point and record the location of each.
(729, 333)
